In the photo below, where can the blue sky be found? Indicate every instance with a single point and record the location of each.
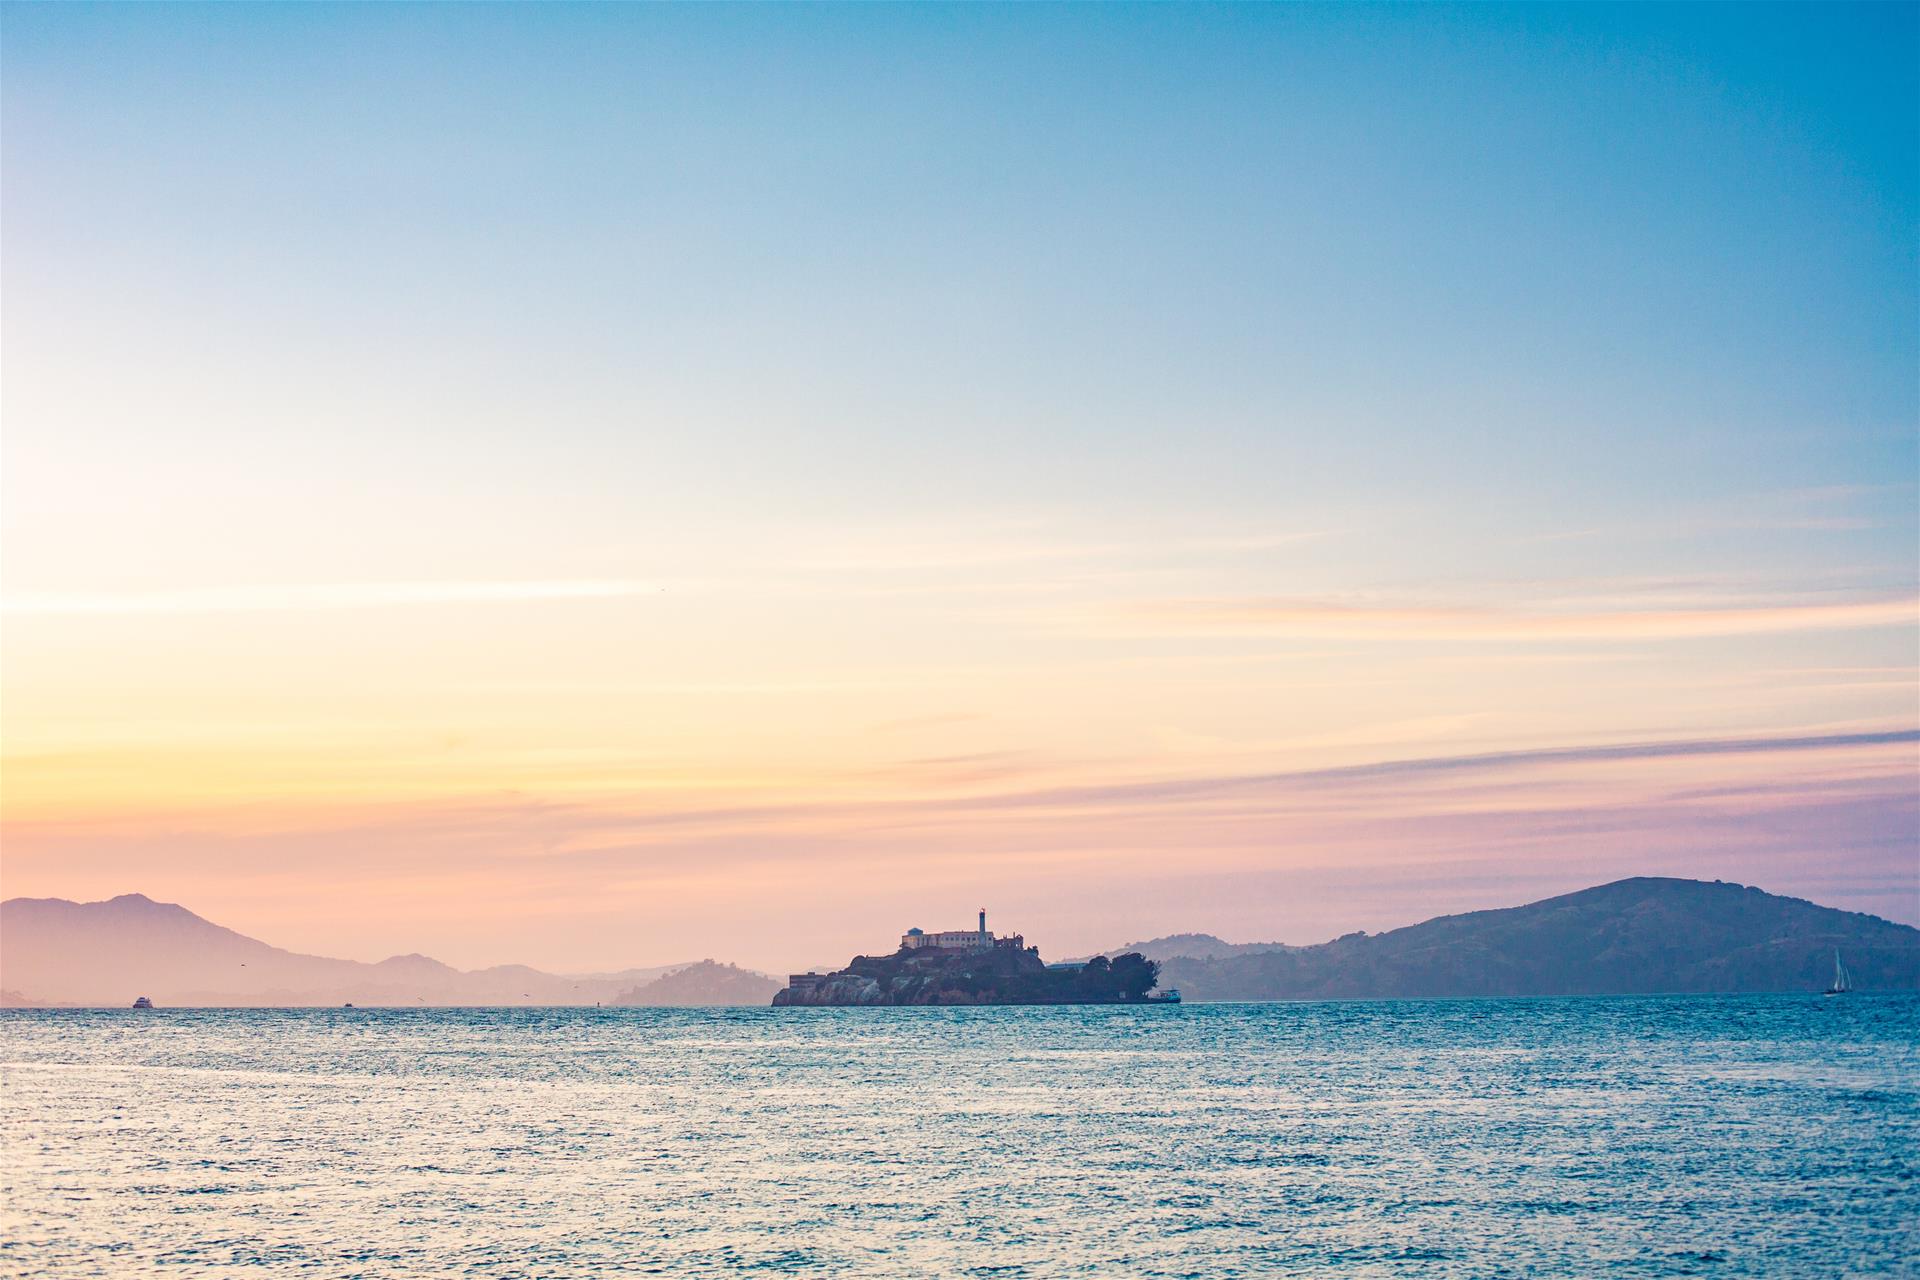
(1028, 318)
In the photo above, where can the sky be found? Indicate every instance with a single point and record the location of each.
(612, 485)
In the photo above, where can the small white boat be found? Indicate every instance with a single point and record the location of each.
(1842, 980)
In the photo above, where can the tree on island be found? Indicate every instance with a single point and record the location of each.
(1124, 978)
(1133, 975)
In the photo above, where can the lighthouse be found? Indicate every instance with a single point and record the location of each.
(983, 924)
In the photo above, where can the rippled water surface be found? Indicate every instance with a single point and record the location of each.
(1738, 1136)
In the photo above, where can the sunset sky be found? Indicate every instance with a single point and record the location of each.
(616, 485)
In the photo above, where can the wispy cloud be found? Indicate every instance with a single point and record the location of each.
(1822, 508)
(1278, 616)
(318, 596)
(1146, 792)
(524, 887)
(905, 551)
(1200, 849)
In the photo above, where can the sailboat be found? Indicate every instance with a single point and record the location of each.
(1842, 980)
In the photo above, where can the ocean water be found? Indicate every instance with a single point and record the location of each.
(1699, 1136)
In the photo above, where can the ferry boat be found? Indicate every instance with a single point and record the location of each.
(1170, 996)
(143, 1003)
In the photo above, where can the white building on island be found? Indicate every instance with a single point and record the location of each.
(960, 939)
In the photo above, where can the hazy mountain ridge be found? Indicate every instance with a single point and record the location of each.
(53, 951)
(1192, 946)
(1631, 936)
(1642, 935)
(705, 983)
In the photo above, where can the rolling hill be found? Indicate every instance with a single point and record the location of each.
(706, 983)
(53, 951)
(1193, 946)
(1642, 935)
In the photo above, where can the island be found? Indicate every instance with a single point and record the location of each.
(973, 967)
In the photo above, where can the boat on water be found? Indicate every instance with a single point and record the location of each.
(143, 1003)
(1170, 996)
(1842, 980)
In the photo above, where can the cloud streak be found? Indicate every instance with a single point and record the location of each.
(781, 882)
(322, 596)
(1274, 616)
(1179, 789)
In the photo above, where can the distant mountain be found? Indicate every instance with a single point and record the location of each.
(1633, 936)
(53, 951)
(1195, 946)
(706, 983)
